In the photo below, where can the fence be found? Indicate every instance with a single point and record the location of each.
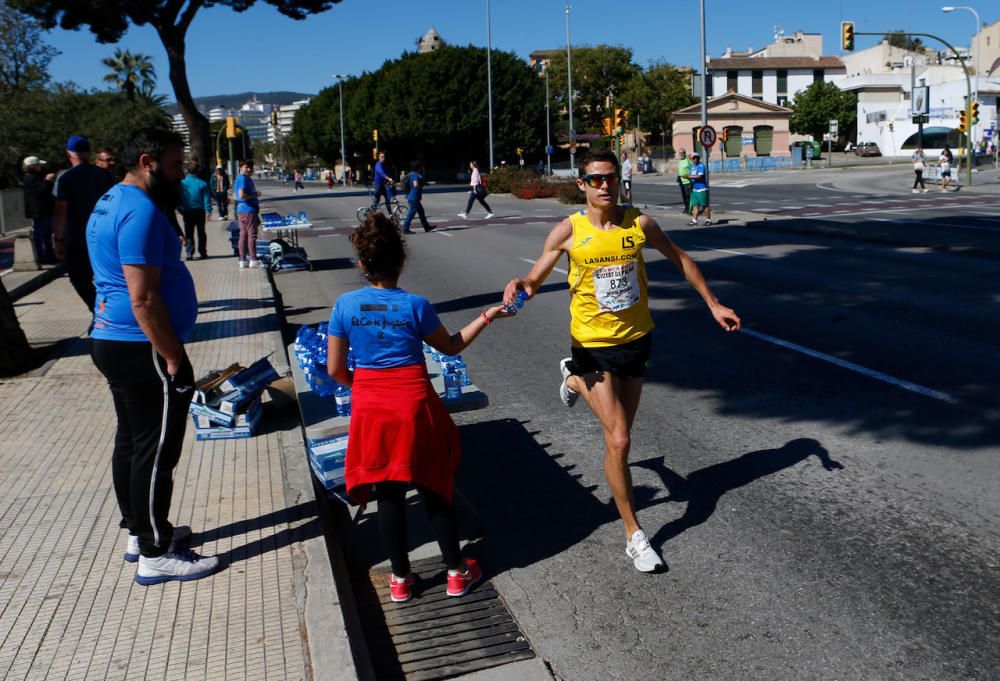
(760, 163)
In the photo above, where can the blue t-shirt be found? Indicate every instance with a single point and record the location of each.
(414, 193)
(250, 205)
(700, 184)
(126, 228)
(384, 327)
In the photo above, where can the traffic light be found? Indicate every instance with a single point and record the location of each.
(230, 127)
(975, 112)
(847, 36)
(962, 121)
(621, 119)
(520, 151)
(608, 125)
(375, 134)
(891, 128)
(725, 134)
(274, 117)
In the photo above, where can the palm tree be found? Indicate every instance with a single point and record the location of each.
(131, 72)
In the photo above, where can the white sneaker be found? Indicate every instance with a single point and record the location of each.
(643, 556)
(567, 396)
(462, 215)
(242, 264)
(916, 191)
(182, 534)
(254, 264)
(489, 215)
(181, 566)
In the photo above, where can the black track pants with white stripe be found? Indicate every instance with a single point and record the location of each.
(152, 409)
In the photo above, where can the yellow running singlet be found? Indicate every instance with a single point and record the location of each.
(608, 282)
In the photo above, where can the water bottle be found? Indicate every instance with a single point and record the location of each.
(463, 370)
(303, 218)
(452, 383)
(342, 394)
(519, 301)
(321, 382)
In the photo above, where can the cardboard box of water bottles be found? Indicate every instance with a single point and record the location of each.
(227, 403)
(327, 457)
(244, 425)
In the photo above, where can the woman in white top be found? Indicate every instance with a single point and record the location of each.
(944, 162)
(477, 192)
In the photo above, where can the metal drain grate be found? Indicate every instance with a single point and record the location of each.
(434, 636)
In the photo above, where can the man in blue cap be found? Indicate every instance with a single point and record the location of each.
(77, 192)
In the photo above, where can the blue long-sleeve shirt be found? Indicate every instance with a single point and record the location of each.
(380, 176)
(195, 194)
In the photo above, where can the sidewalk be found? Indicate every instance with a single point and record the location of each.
(69, 608)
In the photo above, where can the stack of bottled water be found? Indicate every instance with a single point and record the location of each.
(310, 351)
(454, 371)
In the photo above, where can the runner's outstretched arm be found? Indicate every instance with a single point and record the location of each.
(557, 242)
(655, 236)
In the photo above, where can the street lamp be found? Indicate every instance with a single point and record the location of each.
(489, 78)
(569, 92)
(975, 93)
(548, 133)
(343, 154)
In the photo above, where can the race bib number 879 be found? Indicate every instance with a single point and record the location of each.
(616, 287)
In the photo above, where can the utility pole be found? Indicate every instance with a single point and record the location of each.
(569, 93)
(548, 132)
(489, 77)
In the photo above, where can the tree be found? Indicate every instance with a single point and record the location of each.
(902, 40)
(655, 94)
(24, 55)
(432, 107)
(131, 72)
(109, 19)
(814, 108)
(599, 73)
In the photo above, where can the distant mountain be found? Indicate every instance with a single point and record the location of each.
(239, 99)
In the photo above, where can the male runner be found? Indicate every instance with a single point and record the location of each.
(610, 321)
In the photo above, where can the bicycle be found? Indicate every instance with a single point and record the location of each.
(397, 213)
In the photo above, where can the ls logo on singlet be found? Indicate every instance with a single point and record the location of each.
(628, 242)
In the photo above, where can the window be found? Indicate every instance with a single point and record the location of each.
(731, 81)
(782, 100)
(757, 83)
(817, 75)
(782, 82)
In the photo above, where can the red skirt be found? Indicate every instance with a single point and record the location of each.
(400, 431)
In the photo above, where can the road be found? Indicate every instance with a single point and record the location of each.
(823, 486)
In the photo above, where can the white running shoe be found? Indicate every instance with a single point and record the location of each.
(254, 264)
(488, 216)
(181, 566)
(643, 556)
(462, 215)
(242, 264)
(182, 535)
(567, 396)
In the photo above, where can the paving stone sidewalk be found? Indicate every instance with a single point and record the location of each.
(69, 608)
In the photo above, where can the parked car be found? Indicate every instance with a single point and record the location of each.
(867, 149)
(817, 148)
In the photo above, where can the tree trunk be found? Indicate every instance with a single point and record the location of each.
(15, 353)
(198, 127)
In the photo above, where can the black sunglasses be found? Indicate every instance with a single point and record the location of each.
(595, 180)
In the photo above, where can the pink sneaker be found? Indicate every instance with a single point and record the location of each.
(460, 582)
(400, 588)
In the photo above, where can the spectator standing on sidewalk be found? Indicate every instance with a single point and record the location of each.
(77, 190)
(38, 205)
(414, 196)
(699, 191)
(683, 181)
(298, 182)
(196, 208)
(626, 179)
(248, 214)
(477, 191)
(220, 188)
(147, 308)
(919, 165)
(400, 432)
(105, 158)
(944, 162)
(611, 326)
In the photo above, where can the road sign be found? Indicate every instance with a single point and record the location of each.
(707, 136)
(549, 149)
(833, 127)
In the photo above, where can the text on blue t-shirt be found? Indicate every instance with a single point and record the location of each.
(126, 228)
(698, 184)
(384, 327)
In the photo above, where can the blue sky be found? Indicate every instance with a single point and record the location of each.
(262, 50)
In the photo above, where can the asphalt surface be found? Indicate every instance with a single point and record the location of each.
(822, 486)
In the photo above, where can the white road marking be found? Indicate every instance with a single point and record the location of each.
(724, 250)
(445, 233)
(554, 269)
(851, 366)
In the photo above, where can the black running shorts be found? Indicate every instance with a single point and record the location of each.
(627, 360)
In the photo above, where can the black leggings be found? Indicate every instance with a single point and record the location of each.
(919, 180)
(392, 525)
(473, 197)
